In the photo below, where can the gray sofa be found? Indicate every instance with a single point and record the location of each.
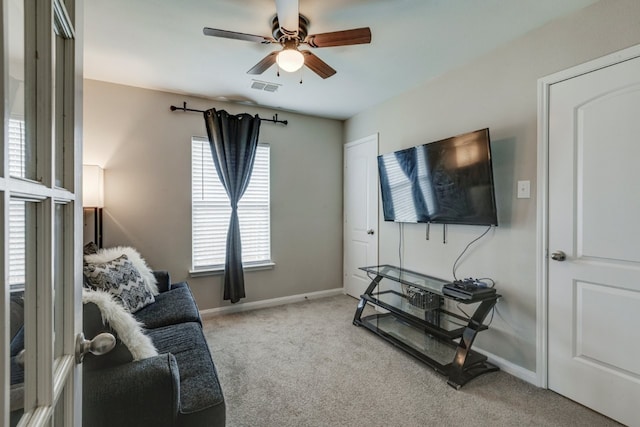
(179, 387)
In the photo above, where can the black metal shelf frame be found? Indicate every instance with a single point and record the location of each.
(398, 324)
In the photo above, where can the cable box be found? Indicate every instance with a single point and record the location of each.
(467, 289)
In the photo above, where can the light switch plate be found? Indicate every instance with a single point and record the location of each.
(524, 189)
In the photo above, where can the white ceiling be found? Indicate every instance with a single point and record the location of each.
(158, 44)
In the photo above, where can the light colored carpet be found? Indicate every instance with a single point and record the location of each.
(305, 364)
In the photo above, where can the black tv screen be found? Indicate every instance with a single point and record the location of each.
(448, 182)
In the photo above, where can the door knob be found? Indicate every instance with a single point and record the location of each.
(558, 256)
(370, 231)
(101, 344)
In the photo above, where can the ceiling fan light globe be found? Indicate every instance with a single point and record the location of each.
(290, 60)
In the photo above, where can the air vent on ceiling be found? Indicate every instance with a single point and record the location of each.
(266, 86)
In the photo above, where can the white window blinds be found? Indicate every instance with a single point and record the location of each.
(17, 212)
(17, 149)
(211, 211)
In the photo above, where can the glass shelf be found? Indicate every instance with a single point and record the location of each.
(439, 320)
(408, 277)
(439, 351)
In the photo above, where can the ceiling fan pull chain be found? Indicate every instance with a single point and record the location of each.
(301, 71)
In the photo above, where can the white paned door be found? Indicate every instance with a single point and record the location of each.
(41, 210)
(360, 212)
(593, 240)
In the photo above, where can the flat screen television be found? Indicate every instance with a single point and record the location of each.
(447, 182)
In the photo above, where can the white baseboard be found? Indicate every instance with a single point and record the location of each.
(273, 302)
(511, 368)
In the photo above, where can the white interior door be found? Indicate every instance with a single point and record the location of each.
(42, 216)
(360, 212)
(594, 218)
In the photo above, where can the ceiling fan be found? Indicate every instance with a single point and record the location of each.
(289, 29)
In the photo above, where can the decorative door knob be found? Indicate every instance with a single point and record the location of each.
(101, 344)
(558, 256)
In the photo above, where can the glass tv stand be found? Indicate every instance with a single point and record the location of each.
(417, 322)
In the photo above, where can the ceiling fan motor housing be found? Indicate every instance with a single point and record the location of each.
(278, 34)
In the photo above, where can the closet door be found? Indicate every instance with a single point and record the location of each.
(593, 257)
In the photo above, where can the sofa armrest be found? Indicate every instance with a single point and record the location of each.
(141, 393)
(164, 280)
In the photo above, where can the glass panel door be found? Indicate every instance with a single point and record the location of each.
(59, 280)
(41, 213)
(21, 241)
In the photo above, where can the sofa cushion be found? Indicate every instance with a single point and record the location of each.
(16, 346)
(171, 307)
(163, 280)
(200, 393)
(93, 325)
(141, 394)
(16, 314)
(101, 313)
(16, 334)
(122, 279)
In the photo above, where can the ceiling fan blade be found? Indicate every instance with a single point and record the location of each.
(340, 38)
(236, 36)
(263, 65)
(287, 11)
(317, 65)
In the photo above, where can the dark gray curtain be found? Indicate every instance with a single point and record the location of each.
(233, 139)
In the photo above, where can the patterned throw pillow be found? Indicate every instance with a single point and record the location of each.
(122, 280)
(107, 254)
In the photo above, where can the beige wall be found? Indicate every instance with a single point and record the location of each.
(145, 151)
(497, 91)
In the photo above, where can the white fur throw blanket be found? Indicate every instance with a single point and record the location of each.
(129, 330)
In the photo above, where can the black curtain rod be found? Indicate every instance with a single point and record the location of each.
(184, 108)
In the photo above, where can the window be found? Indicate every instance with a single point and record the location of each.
(211, 211)
(17, 244)
(17, 212)
(17, 148)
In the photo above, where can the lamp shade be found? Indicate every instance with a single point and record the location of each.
(290, 60)
(92, 186)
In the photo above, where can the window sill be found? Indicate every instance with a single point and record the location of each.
(217, 270)
(16, 288)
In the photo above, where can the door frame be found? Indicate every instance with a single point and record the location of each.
(371, 139)
(542, 226)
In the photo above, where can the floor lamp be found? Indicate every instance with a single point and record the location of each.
(93, 197)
